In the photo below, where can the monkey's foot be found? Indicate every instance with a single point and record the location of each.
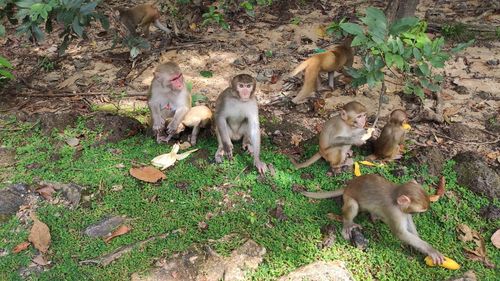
(349, 153)
(397, 156)
(347, 229)
(261, 167)
(163, 139)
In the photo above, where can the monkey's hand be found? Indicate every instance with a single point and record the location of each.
(172, 128)
(347, 229)
(437, 257)
(261, 166)
(228, 150)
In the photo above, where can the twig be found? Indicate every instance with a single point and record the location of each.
(382, 93)
(467, 142)
(109, 258)
(67, 94)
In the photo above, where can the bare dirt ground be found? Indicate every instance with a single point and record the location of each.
(268, 47)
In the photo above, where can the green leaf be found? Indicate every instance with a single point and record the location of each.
(88, 8)
(25, 3)
(6, 73)
(2, 30)
(37, 33)
(198, 97)
(5, 63)
(389, 59)
(376, 15)
(424, 68)
(352, 28)
(134, 52)
(417, 54)
(437, 61)
(359, 40)
(403, 25)
(206, 73)
(77, 28)
(462, 46)
(419, 92)
(398, 60)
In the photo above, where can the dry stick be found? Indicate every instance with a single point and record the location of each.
(468, 142)
(79, 94)
(382, 93)
(109, 258)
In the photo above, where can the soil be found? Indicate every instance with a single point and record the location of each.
(269, 46)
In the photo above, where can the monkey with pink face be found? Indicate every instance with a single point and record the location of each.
(237, 117)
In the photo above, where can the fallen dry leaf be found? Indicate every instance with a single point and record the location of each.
(21, 247)
(296, 139)
(495, 239)
(122, 229)
(439, 190)
(40, 260)
(40, 235)
(72, 142)
(166, 160)
(147, 174)
(46, 192)
(466, 234)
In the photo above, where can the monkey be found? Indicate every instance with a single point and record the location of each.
(237, 117)
(392, 203)
(168, 97)
(387, 144)
(329, 61)
(338, 135)
(141, 15)
(197, 117)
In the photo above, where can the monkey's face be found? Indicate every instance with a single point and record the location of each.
(360, 120)
(177, 82)
(244, 90)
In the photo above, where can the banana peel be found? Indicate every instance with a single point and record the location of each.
(406, 127)
(447, 263)
(357, 171)
(166, 160)
(368, 134)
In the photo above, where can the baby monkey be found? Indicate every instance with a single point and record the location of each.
(143, 16)
(394, 204)
(387, 146)
(199, 116)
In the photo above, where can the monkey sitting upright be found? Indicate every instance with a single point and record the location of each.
(237, 117)
(338, 135)
(394, 204)
(386, 147)
(329, 61)
(141, 15)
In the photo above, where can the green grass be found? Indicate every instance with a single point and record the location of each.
(159, 208)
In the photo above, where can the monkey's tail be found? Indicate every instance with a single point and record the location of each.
(308, 162)
(301, 67)
(161, 26)
(323, 194)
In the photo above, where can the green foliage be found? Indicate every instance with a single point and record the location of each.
(335, 30)
(5, 73)
(249, 6)
(197, 97)
(135, 44)
(404, 46)
(46, 64)
(295, 20)
(214, 16)
(454, 30)
(206, 73)
(74, 15)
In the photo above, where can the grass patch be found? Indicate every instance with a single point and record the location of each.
(242, 207)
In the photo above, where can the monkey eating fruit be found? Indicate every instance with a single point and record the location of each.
(387, 145)
(392, 203)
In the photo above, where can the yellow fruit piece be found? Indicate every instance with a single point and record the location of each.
(448, 263)
(406, 126)
(357, 171)
(367, 163)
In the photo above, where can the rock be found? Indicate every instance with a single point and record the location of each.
(116, 127)
(11, 198)
(202, 263)
(72, 193)
(468, 276)
(430, 156)
(475, 174)
(104, 227)
(491, 212)
(49, 121)
(320, 271)
(463, 132)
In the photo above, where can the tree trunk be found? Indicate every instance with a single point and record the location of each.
(397, 9)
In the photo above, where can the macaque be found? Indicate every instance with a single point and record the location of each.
(143, 16)
(168, 98)
(237, 117)
(338, 135)
(393, 204)
(329, 61)
(387, 145)
(199, 116)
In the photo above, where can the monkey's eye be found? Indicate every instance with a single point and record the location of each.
(249, 86)
(241, 86)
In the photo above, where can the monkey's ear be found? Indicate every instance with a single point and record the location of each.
(403, 201)
(343, 115)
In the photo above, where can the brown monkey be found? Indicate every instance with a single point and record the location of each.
(168, 97)
(197, 117)
(392, 135)
(329, 61)
(143, 16)
(237, 117)
(338, 135)
(394, 204)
